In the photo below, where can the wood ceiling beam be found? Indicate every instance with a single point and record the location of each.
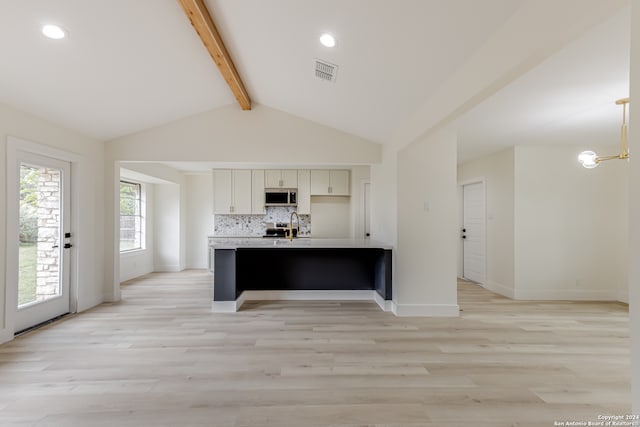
(203, 24)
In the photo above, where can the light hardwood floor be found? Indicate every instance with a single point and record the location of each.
(161, 358)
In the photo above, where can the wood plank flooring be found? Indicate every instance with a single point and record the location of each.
(161, 358)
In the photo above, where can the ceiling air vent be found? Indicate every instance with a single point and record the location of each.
(326, 70)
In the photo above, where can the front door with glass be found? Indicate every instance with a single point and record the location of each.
(44, 241)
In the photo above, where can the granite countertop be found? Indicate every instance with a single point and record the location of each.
(299, 242)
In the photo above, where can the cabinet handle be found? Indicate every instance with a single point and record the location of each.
(280, 183)
(230, 208)
(330, 190)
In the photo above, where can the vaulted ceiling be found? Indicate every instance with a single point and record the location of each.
(130, 65)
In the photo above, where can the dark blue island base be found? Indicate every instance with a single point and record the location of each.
(239, 272)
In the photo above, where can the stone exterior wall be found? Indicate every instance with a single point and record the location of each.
(48, 270)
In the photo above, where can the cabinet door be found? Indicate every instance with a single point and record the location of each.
(257, 204)
(304, 192)
(272, 179)
(319, 182)
(339, 183)
(289, 178)
(221, 191)
(242, 194)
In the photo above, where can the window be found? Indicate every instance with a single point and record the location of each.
(131, 216)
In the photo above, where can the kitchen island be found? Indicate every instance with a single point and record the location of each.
(304, 268)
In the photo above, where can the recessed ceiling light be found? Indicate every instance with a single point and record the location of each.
(53, 32)
(328, 40)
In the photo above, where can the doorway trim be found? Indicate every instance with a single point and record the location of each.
(364, 209)
(461, 185)
(15, 145)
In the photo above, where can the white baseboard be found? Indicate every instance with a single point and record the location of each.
(5, 335)
(426, 310)
(623, 296)
(97, 300)
(228, 306)
(132, 274)
(499, 288)
(384, 304)
(174, 268)
(337, 295)
(566, 295)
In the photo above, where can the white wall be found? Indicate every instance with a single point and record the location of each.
(167, 247)
(538, 246)
(570, 225)
(497, 171)
(384, 198)
(330, 217)
(172, 209)
(427, 227)
(262, 135)
(87, 223)
(199, 218)
(168, 211)
(634, 210)
(140, 262)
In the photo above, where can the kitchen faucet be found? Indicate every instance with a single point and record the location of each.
(290, 237)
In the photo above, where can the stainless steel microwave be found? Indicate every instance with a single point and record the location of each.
(281, 197)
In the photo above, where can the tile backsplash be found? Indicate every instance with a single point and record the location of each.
(255, 225)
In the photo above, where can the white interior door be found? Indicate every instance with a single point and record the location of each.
(40, 219)
(473, 232)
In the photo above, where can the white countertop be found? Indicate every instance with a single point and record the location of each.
(299, 242)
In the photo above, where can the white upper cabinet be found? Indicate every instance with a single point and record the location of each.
(232, 191)
(330, 183)
(257, 204)
(281, 178)
(221, 191)
(339, 183)
(241, 191)
(304, 192)
(319, 182)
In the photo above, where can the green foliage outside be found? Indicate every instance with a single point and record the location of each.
(129, 215)
(28, 254)
(129, 194)
(28, 204)
(27, 279)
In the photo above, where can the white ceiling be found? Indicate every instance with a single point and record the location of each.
(568, 99)
(129, 65)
